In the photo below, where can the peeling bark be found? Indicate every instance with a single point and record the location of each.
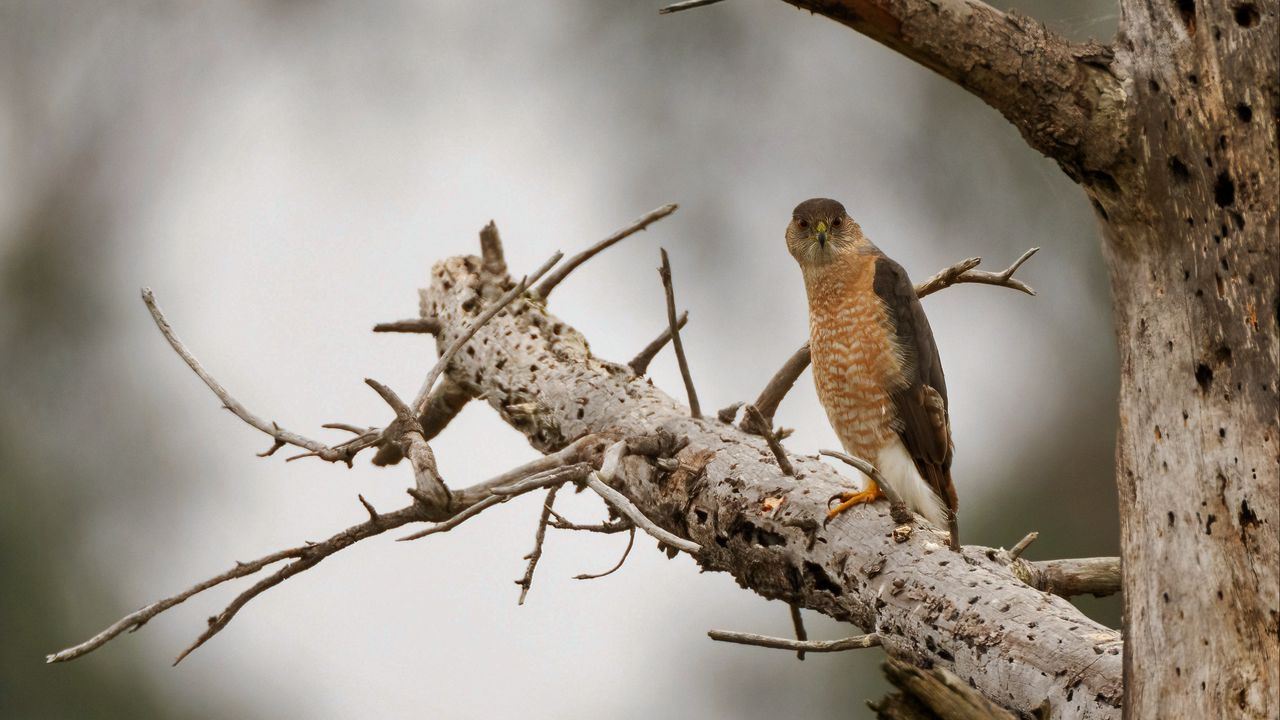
(966, 612)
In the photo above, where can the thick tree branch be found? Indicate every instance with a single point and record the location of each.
(1061, 96)
(942, 693)
(1098, 576)
(972, 616)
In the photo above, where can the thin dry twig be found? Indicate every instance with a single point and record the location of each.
(597, 481)
(897, 508)
(539, 536)
(137, 619)
(544, 289)
(640, 363)
(695, 410)
(627, 508)
(631, 541)
(797, 622)
(429, 326)
(779, 385)
(963, 272)
(857, 642)
(769, 437)
(497, 495)
(1016, 551)
(560, 522)
(279, 434)
(686, 5)
(470, 502)
(420, 402)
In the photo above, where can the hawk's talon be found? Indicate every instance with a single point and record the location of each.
(869, 495)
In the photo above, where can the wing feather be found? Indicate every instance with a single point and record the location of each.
(921, 400)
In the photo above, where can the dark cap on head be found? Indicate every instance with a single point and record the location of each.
(818, 209)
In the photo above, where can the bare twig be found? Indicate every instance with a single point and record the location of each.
(640, 363)
(495, 263)
(597, 481)
(308, 556)
(431, 489)
(779, 385)
(1098, 576)
(695, 410)
(797, 622)
(767, 432)
(369, 508)
(1016, 551)
(279, 434)
(686, 5)
(420, 402)
(857, 642)
(469, 503)
(897, 508)
(627, 508)
(547, 478)
(560, 522)
(137, 619)
(963, 272)
(539, 536)
(544, 289)
(429, 326)
(631, 541)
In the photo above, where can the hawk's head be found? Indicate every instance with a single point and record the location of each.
(820, 229)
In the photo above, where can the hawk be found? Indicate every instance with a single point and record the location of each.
(875, 364)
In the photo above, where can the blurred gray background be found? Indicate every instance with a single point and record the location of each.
(284, 173)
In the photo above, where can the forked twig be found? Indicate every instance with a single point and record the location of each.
(962, 272)
(640, 363)
(539, 536)
(544, 289)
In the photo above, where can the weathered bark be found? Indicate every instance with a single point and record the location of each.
(1172, 131)
(965, 612)
(1191, 239)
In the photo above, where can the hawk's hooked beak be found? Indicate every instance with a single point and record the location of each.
(821, 234)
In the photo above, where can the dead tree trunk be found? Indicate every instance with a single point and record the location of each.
(1172, 131)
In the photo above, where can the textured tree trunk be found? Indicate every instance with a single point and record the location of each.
(1172, 131)
(1190, 235)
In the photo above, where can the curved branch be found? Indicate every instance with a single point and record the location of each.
(1061, 96)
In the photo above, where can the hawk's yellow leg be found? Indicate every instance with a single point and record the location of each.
(847, 500)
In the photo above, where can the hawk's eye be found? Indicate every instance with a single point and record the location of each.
(835, 223)
(804, 224)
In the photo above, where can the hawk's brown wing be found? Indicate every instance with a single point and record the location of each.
(921, 402)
